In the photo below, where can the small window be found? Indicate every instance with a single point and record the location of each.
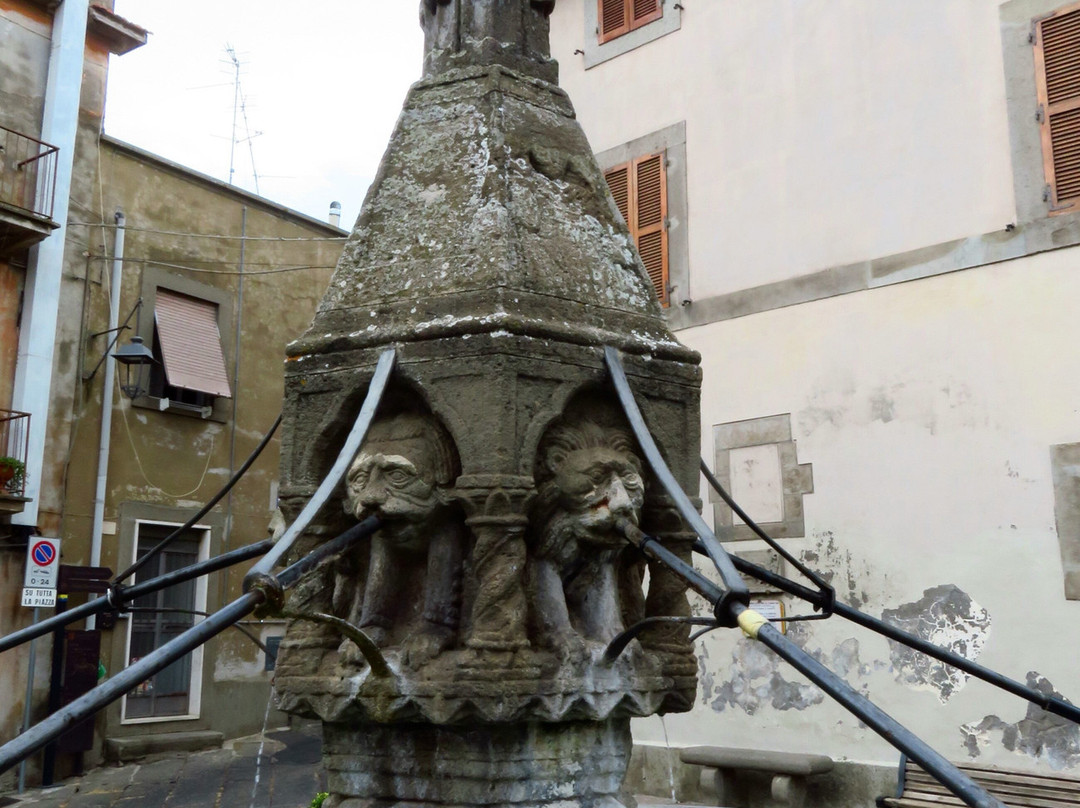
(1057, 78)
(190, 370)
(640, 190)
(618, 17)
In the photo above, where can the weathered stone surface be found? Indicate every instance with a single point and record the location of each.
(490, 253)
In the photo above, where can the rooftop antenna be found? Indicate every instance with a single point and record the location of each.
(240, 108)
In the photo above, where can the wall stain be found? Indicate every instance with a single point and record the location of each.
(758, 680)
(1043, 736)
(945, 616)
(838, 567)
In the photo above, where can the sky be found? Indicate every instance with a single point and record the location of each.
(323, 82)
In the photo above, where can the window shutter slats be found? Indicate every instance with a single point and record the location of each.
(618, 17)
(618, 180)
(650, 196)
(1061, 56)
(1057, 68)
(190, 343)
(614, 20)
(651, 248)
(645, 11)
(1065, 133)
(640, 192)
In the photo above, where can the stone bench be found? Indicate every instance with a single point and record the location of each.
(917, 789)
(789, 770)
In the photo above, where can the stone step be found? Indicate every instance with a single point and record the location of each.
(124, 749)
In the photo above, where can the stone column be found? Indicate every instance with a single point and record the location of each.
(495, 511)
(667, 592)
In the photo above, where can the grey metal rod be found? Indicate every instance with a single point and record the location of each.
(844, 610)
(101, 604)
(89, 703)
(110, 690)
(341, 465)
(240, 472)
(733, 582)
(877, 719)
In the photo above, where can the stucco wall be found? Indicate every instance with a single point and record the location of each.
(817, 133)
(927, 411)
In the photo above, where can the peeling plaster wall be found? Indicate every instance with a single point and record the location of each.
(927, 410)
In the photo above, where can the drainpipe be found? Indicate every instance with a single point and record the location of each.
(37, 332)
(107, 403)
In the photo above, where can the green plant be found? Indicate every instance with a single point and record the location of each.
(12, 473)
(319, 799)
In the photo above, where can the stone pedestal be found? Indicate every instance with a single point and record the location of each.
(490, 254)
(527, 764)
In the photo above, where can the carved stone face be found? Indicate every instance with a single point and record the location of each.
(597, 486)
(401, 476)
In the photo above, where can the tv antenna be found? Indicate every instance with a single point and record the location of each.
(240, 112)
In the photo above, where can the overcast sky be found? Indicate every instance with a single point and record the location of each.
(323, 81)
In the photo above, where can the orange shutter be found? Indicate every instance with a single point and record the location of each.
(650, 183)
(618, 180)
(640, 191)
(190, 343)
(613, 19)
(645, 11)
(1057, 69)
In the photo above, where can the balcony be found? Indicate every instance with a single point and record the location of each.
(27, 187)
(14, 447)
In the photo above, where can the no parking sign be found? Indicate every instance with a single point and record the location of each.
(42, 567)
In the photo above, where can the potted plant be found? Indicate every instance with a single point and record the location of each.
(12, 473)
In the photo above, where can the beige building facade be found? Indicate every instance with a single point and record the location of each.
(878, 264)
(216, 281)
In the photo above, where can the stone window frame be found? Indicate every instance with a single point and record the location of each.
(672, 141)
(596, 53)
(1018, 19)
(154, 278)
(1065, 469)
(212, 526)
(797, 478)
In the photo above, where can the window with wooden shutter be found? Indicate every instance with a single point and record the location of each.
(640, 191)
(617, 17)
(1057, 69)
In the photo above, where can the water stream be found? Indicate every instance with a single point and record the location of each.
(262, 743)
(670, 762)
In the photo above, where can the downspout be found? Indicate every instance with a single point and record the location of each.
(37, 332)
(107, 403)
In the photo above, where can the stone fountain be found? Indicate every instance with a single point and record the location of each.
(491, 255)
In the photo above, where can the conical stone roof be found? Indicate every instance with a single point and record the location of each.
(489, 214)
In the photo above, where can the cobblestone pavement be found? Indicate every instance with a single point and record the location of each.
(290, 775)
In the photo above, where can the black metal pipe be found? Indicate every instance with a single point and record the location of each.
(379, 380)
(735, 590)
(828, 594)
(877, 719)
(214, 500)
(124, 594)
(1049, 703)
(89, 703)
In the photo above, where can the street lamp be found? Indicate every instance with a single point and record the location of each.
(136, 359)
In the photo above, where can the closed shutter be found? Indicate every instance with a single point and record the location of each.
(613, 19)
(617, 17)
(1057, 68)
(640, 192)
(651, 236)
(190, 343)
(645, 11)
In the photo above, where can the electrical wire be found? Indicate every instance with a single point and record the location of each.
(221, 236)
(246, 273)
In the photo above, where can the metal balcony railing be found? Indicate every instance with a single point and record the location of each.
(27, 172)
(14, 449)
